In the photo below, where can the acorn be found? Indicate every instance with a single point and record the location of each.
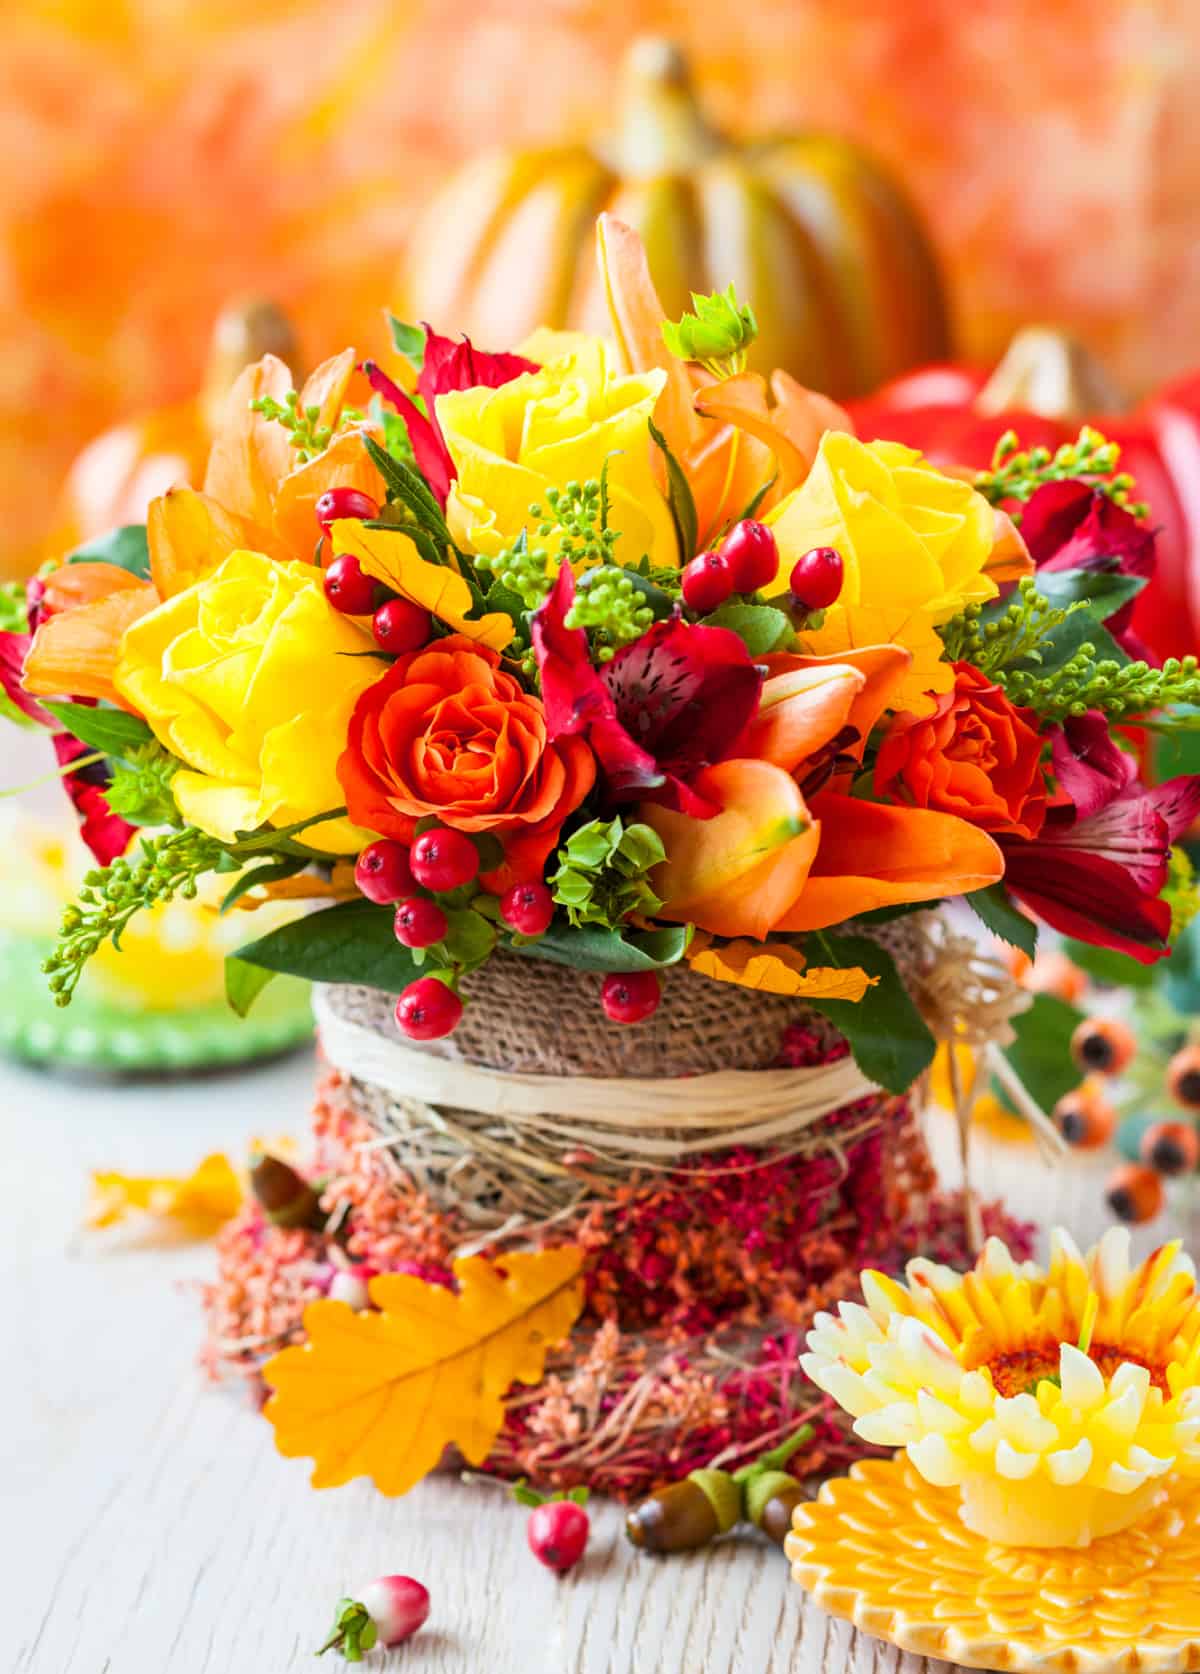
(1183, 1077)
(1170, 1147)
(686, 1514)
(1134, 1193)
(1103, 1045)
(771, 1498)
(285, 1197)
(1085, 1119)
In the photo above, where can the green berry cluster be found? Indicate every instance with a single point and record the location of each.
(609, 603)
(576, 519)
(1017, 475)
(307, 435)
(1117, 690)
(996, 643)
(167, 866)
(1181, 891)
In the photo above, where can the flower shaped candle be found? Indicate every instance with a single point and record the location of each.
(1056, 1401)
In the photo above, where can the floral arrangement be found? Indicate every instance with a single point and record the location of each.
(612, 654)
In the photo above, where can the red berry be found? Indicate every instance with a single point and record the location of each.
(348, 588)
(427, 1009)
(752, 555)
(707, 583)
(444, 860)
(419, 923)
(397, 1605)
(344, 502)
(816, 578)
(630, 996)
(382, 872)
(400, 626)
(558, 1534)
(527, 908)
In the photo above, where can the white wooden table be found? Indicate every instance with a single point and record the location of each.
(148, 1523)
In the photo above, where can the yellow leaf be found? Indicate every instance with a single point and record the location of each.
(391, 557)
(305, 886)
(779, 968)
(383, 1394)
(199, 1202)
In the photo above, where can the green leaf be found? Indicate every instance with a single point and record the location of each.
(1062, 642)
(352, 942)
(470, 937)
(286, 867)
(125, 547)
(1040, 1054)
(996, 907)
(592, 948)
(761, 627)
(244, 983)
(1178, 750)
(408, 340)
(683, 507)
(757, 498)
(110, 730)
(1101, 592)
(886, 1033)
(412, 490)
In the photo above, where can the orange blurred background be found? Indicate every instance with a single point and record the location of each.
(158, 157)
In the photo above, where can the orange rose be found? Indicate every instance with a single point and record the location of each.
(976, 756)
(447, 733)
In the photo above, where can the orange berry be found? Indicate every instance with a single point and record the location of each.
(1183, 1077)
(1085, 1119)
(1103, 1045)
(1134, 1193)
(1171, 1147)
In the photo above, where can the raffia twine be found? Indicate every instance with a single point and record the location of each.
(537, 1103)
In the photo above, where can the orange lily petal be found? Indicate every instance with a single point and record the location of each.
(326, 388)
(876, 855)
(804, 415)
(742, 403)
(189, 534)
(801, 710)
(637, 316)
(344, 464)
(72, 585)
(884, 669)
(1009, 559)
(737, 873)
(74, 654)
(251, 454)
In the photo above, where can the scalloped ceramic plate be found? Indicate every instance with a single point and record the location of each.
(887, 1551)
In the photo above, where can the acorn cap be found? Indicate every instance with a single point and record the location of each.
(723, 1494)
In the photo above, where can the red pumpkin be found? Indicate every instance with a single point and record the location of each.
(1044, 389)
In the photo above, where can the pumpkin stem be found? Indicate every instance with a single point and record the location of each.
(1045, 372)
(244, 332)
(661, 128)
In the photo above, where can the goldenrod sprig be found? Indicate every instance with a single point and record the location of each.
(1118, 690)
(1017, 474)
(1015, 636)
(307, 435)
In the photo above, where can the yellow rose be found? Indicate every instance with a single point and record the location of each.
(248, 676)
(548, 428)
(914, 543)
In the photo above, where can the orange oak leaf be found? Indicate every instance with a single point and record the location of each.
(778, 968)
(197, 1203)
(382, 1394)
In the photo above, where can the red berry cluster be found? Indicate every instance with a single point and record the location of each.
(398, 624)
(747, 560)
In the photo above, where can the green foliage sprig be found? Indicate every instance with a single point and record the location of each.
(140, 787)
(305, 432)
(993, 643)
(169, 865)
(1017, 474)
(716, 335)
(610, 603)
(1117, 690)
(576, 517)
(1181, 891)
(601, 876)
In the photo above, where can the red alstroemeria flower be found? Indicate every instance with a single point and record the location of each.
(1071, 526)
(670, 704)
(1097, 868)
(447, 366)
(105, 833)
